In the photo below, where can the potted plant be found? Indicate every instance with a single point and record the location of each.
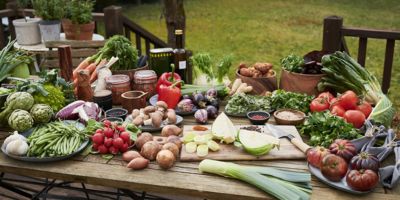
(26, 29)
(79, 24)
(51, 12)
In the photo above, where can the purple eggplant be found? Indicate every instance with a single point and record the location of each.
(201, 116)
(212, 112)
(185, 105)
(199, 99)
(185, 96)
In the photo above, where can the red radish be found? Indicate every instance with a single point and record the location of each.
(99, 131)
(125, 136)
(102, 149)
(107, 123)
(118, 142)
(120, 128)
(98, 138)
(108, 132)
(113, 150)
(124, 147)
(108, 142)
(95, 146)
(333, 101)
(337, 110)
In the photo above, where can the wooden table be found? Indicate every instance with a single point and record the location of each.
(184, 178)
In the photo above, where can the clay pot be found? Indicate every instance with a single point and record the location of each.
(260, 85)
(300, 83)
(78, 31)
(133, 100)
(130, 73)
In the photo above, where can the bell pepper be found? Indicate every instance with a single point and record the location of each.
(168, 78)
(170, 94)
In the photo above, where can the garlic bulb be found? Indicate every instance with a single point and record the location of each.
(17, 147)
(14, 136)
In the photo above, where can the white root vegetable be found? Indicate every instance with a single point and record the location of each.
(14, 136)
(17, 147)
(235, 86)
(247, 89)
(241, 87)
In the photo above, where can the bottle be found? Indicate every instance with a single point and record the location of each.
(180, 57)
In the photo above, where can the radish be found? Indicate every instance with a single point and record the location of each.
(124, 148)
(120, 128)
(102, 149)
(125, 136)
(98, 138)
(113, 150)
(95, 147)
(99, 131)
(108, 132)
(118, 142)
(107, 123)
(108, 142)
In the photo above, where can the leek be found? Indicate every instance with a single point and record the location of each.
(273, 181)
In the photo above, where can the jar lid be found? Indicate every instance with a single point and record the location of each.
(161, 50)
(117, 79)
(102, 93)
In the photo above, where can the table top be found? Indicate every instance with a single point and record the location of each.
(184, 178)
(42, 48)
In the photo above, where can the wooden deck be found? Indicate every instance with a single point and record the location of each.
(183, 179)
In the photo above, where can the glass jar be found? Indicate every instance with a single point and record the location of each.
(118, 84)
(146, 81)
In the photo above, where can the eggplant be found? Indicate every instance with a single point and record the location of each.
(199, 99)
(185, 96)
(201, 116)
(214, 102)
(212, 112)
(212, 93)
(185, 105)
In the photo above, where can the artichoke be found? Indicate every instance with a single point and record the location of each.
(41, 113)
(17, 100)
(20, 120)
(55, 97)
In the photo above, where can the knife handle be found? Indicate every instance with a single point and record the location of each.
(300, 144)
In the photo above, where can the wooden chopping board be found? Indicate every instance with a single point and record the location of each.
(230, 152)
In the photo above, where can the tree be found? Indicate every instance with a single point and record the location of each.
(175, 18)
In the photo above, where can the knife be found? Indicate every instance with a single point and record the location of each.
(279, 133)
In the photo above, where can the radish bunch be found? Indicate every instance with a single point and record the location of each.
(111, 139)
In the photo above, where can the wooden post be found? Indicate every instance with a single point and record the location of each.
(65, 59)
(332, 37)
(113, 21)
(13, 6)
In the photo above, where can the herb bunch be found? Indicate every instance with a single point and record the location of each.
(80, 11)
(49, 9)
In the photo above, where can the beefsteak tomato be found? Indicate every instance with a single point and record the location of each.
(315, 155)
(343, 148)
(333, 167)
(365, 107)
(365, 160)
(327, 95)
(362, 180)
(348, 100)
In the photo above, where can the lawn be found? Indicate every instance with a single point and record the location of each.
(267, 30)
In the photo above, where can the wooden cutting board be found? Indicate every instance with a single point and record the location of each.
(230, 152)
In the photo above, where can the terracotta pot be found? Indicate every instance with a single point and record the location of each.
(300, 83)
(133, 100)
(130, 73)
(260, 85)
(77, 31)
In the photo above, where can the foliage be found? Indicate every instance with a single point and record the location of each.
(292, 63)
(49, 9)
(243, 103)
(215, 71)
(8, 60)
(80, 11)
(292, 100)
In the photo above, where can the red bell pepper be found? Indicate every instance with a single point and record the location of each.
(168, 78)
(170, 94)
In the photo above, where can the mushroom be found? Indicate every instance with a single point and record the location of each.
(135, 113)
(171, 116)
(155, 120)
(162, 104)
(138, 121)
(149, 109)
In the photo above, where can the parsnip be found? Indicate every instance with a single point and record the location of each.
(235, 86)
(241, 87)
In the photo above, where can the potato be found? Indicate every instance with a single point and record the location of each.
(142, 139)
(172, 147)
(246, 72)
(138, 163)
(165, 159)
(130, 155)
(242, 65)
(263, 67)
(171, 130)
(176, 140)
(150, 149)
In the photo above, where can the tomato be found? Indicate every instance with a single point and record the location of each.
(315, 155)
(362, 180)
(338, 110)
(333, 101)
(326, 95)
(365, 160)
(348, 100)
(343, 148)
(333, 167)
(355, 117)
(319, 104)
(365, 107)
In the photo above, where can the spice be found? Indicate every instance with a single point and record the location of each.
(118, 84)
(146, 81)
(258, 117)
(199, 128)
(287, 115)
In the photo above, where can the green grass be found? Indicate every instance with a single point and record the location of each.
(267, 30)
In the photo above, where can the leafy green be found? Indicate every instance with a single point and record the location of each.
(282, 99)
(214, 71)
(243, 103)
(80, 11)
(8, 60)
(323, 128)
(49, 9)
(293, 63)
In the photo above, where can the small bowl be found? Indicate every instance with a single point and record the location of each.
(113, 119)
(117, 112)
(258, 121)
(281, 120)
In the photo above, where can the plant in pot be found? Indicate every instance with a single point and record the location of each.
(79, 24)
(24, 59)
(302, 74)
(26, 29)
(51, 12)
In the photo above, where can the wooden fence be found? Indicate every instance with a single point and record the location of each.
(334, 40)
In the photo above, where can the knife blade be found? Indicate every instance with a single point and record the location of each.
(279, 133)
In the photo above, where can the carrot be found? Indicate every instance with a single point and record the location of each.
(85, 63)
(75, 82)
(93, 77)
(91, 68)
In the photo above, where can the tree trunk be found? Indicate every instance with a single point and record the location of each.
(175, 19)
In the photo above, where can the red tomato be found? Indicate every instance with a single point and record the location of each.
(338, 110)
(333, 167)
(319, 104)
(326, 95)
(348, 100)
(362, 180)
(315, 155)
(365, 107)
(355, 117)
(333, 101)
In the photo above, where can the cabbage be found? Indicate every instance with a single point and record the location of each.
(257, 143)
(223, 129)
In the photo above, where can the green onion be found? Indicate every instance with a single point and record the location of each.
(273, 181)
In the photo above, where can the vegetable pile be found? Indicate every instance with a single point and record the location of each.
(242, 103)
(154, 116)
(258, 70)
(239, 87)
(282, 99)
(309, 64)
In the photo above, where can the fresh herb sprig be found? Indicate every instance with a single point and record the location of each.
(293, 63)
(292, 100)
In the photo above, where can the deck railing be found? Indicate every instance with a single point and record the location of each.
(334, 39)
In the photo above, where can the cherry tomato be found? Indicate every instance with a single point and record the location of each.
(348, 100)
(355, 117)
(326, 95)
(319, 104)
(338, 110)
(365, 107)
